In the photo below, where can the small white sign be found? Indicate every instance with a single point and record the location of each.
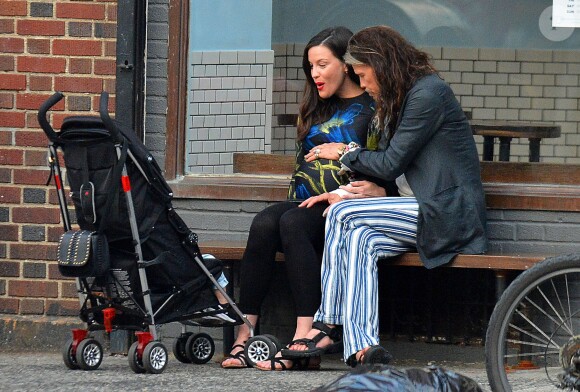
(566, 13)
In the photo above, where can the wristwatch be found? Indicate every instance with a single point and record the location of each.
(347, 148)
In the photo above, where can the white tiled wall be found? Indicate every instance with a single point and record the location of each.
(236, 99)
(502, 84)
(229, 108)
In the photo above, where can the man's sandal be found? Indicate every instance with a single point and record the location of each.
(374, 355)
(335, 334)
(239, 356)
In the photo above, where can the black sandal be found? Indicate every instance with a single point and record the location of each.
(374, 355)
(273, 362)
(240, 356)
(335, 334)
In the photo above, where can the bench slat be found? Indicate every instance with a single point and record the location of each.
(234, 250)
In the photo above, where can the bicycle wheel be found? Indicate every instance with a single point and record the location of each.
(535, 329)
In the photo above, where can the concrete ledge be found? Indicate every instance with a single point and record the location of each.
(35, 333)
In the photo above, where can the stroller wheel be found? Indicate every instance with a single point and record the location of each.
(89, 354)
(200, 348)
(179, 345)
(155, 357)
(259, 348)
(135, 363)
(69, 360)
(275, 340)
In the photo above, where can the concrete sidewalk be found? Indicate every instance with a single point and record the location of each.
(26, 366)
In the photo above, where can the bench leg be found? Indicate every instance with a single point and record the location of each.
(228, 331)
(500, 283)
(534, 150)
(488, 142)
(504, 148)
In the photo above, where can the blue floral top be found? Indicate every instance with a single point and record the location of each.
(348, 124)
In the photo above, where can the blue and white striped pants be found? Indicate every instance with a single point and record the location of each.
(359, 232)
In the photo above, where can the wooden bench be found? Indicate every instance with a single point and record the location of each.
(508, 185)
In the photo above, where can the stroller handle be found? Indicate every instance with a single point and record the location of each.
(106, 118)
(44, 108)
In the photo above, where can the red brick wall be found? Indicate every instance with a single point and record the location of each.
(45, 46)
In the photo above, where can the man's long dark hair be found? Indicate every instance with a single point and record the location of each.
(313, 109)
(397, 65)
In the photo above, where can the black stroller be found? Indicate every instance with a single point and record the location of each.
(136, 263)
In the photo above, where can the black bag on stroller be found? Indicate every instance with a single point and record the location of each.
(136, 261)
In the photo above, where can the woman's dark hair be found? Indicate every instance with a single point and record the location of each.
(396, 63)
(313, 109)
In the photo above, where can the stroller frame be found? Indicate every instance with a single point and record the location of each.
(147, 354)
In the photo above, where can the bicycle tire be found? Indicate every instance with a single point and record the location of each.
(517, 302)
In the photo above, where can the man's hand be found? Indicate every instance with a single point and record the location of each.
(330, 198)
(361, 189)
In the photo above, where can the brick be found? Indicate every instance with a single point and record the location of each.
(105, 30)
(62, 308)
(30, 251)
(4, 214)
(54, 274)
(12, 82)
(109, 85)
(11, 156)
(31, 139)
(6, 102)
(12, 119)
(11, 45)
(9, 305)
(35, 215)
(54, 233)
(32, 119)
(38, 46)
(112, 101)
(6, 26)
(41, 64)
(68, 290)
(31, 288)
(78, 84)
(6, 63)
(105, 67)
(80, 66)
(80, 11)
(79, 103)
(34, 270)
(40, 83)
(110, 49)
(8, 232)
(31, 306)
(35, 158)
(10, 195)
(34, 101)
(80, 29)
(76, 47)
(34, 195)
(41, 10)
(5, 177)
(40, 27)
(112, 13)
(33, 233)
(2, 251)
(9, 269)
(13, 8)
(2, 286)
(6, 138)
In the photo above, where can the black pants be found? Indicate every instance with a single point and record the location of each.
(299, 234)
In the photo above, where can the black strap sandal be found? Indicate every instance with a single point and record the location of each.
(335, 334)
(374, 355)
(240, 356)
(273, 362)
